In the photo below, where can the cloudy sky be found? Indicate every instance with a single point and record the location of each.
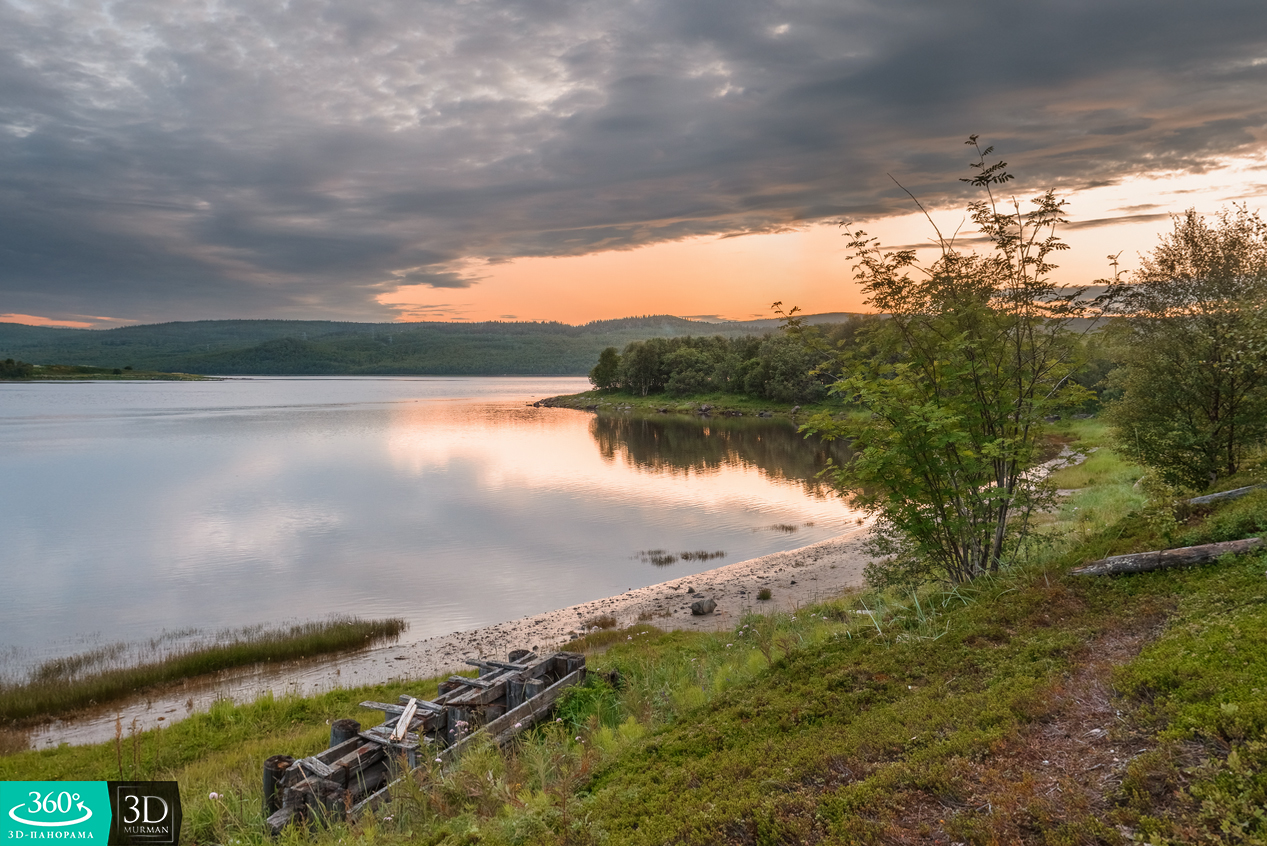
(573, 160)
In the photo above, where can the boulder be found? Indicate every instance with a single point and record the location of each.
(701, 607)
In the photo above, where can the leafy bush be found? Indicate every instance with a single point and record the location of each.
(976, 353)
(1194, 380)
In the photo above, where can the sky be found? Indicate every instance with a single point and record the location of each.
(577, 160)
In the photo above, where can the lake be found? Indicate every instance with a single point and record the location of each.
(131, 509)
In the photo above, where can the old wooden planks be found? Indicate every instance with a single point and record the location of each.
(358, 772)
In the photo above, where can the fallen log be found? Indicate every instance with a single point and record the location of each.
(1141, 562)
(1222, 496)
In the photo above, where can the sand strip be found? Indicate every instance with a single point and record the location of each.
(796, 578)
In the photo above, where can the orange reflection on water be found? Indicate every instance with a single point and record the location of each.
(507, 446)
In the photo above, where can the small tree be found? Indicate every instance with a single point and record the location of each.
(956, 382)
(606, 374)
(1194, 376)
(642, 367)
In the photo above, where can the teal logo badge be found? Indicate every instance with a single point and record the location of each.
(54, 810)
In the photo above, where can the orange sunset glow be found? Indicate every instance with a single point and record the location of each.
(739, 277)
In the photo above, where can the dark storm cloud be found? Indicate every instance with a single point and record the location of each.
(169, 159)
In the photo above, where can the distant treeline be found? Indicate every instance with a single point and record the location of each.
(778, 367)
(10, 369)
(282, 347)
(781, 367)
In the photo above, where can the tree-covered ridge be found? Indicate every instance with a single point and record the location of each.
(312, 347)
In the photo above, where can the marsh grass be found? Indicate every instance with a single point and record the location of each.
(115, 671)
(702, 555)
(663, 558)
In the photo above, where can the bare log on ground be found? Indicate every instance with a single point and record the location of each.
(1223, 496)
(1141, 562)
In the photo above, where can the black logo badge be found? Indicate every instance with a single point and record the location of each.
(144, 813)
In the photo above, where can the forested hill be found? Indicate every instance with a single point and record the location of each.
(318, 347)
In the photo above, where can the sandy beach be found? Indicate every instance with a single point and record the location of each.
(795, 578)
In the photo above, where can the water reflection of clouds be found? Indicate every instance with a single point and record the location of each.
(558, 449)
(546, 445)
(449, 513)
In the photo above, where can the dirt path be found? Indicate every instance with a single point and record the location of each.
(1063, 770)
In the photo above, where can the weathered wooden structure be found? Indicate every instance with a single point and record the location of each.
(359, 768)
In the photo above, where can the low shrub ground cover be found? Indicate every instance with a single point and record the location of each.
(1031, 707)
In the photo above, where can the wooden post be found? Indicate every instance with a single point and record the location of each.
(324, 801)
(343, 730)
(274, 768)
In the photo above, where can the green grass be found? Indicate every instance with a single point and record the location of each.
(63, 372)
(870, 719)
(76, 681)
(613, 400)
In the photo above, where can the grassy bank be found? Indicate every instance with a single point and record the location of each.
(104, 675)
(80, 372)
(718, 404)
(1031, 707)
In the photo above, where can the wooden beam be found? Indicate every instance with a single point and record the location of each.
(470, 682)
(402, 723)
(423, 704)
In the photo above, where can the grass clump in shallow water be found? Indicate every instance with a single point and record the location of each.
(106, 674)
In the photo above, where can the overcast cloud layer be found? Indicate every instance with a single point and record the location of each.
(174, 159)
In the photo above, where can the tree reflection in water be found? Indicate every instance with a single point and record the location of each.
(679, 444)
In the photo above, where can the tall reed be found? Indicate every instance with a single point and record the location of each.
(89, 678)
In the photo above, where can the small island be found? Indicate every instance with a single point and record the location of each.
(12, 370)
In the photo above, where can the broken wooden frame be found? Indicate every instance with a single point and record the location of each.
(358, 772)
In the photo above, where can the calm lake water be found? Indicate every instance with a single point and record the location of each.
(134, 508)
